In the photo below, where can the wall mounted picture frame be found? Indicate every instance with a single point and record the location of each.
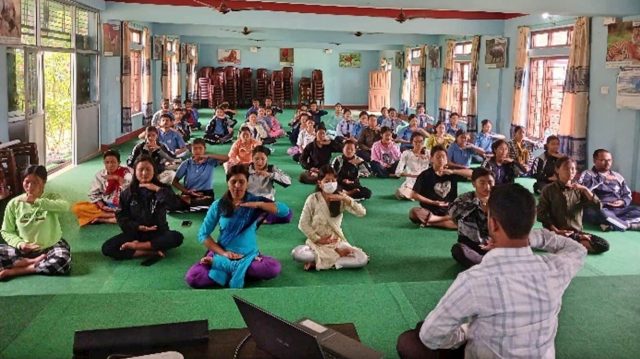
(10, 21)
(286, 57)
(112, 39)
(496, 50)
(628, 89)
(158, 43)
(621, 37)
(350, 59)
(229, 56)
(433, 55)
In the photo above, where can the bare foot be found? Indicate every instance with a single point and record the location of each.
(111, 220)
(309, 266)
(129, 245)
(25, 262)
(14, 272)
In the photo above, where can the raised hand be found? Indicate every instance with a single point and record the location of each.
(150, 186)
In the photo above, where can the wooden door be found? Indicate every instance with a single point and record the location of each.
(379, 90)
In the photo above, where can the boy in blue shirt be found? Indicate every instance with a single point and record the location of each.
(255, 106)
(485, 139)
(197, 172)
(316, 113)
(461, 152)
(170, 137)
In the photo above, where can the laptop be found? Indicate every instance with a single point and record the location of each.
(304, 339)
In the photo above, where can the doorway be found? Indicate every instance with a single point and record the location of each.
(58, 109)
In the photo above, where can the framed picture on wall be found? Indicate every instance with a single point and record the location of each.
(229, 56)
(495, 56)
(10, 21)
(286, 57)
(158, 43)
(399, 60)
(349, 59)
(433, 54)
(621, 37)
(183, 53)
(111, 39)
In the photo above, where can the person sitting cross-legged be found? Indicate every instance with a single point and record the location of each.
(349, 168)
(317, 154)
(435, 189)
(385, 155)
(494, 309)
(469, 212)
(561, 206)
(197, 190)
(234, 256)
(617, 212)
(32, 232)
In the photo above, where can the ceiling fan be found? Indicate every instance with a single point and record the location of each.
(360, 33)
(402, 17)
(222, 6)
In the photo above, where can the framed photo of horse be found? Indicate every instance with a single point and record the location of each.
(496, 52)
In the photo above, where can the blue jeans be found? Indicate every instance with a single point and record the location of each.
(624, 215)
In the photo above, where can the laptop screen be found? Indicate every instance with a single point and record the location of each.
(277, 336)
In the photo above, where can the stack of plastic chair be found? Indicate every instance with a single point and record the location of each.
(204, 87)
(304, 90)
(277, 88)
(262, 84)
(317, 86)
(246, 87)
(287, 73)
(217, 88)
(231, 86)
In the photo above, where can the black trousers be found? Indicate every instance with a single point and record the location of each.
(467, 252)
(160, 241)
(409, 346)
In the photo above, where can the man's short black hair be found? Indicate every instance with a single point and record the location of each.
(514, 207)
(597, 152)
(480, 172)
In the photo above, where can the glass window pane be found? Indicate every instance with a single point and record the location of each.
(467, 48)
(86, 30)
(540, 39)
(28, 22)
(15, 81)
(559, 38)
(86, 86)
(55, 22)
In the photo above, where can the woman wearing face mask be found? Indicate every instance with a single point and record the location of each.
(321, 220)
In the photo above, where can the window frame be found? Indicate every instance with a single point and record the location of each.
(549, 33)
(459, 81)
(545, 98)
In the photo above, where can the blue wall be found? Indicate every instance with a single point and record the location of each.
(344, 85)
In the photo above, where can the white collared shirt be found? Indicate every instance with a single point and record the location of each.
(507, 306)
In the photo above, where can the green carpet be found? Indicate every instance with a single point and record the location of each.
(409, 271)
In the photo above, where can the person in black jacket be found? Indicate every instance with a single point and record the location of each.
(143, 217)
(151, 147)
(349, 168)
(317, 154)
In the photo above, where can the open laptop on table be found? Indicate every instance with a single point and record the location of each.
(304, 339)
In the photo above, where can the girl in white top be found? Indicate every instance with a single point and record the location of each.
(321, 220)
(412, 163)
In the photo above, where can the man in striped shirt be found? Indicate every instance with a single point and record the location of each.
(507, 306)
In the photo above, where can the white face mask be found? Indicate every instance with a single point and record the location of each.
(329, 187)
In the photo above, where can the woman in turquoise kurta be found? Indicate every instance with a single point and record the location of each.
(235, 255)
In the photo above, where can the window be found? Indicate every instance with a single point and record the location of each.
(415, 54)
(462, 48)
(56, 24)
(173, 70)
(461, 87)
(551, 38)
(28, 22)
(15, 81)
(86, 29)
(136, 81)
(136, 37)
(545, 95)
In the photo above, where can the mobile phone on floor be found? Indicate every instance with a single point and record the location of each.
(187, 223)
